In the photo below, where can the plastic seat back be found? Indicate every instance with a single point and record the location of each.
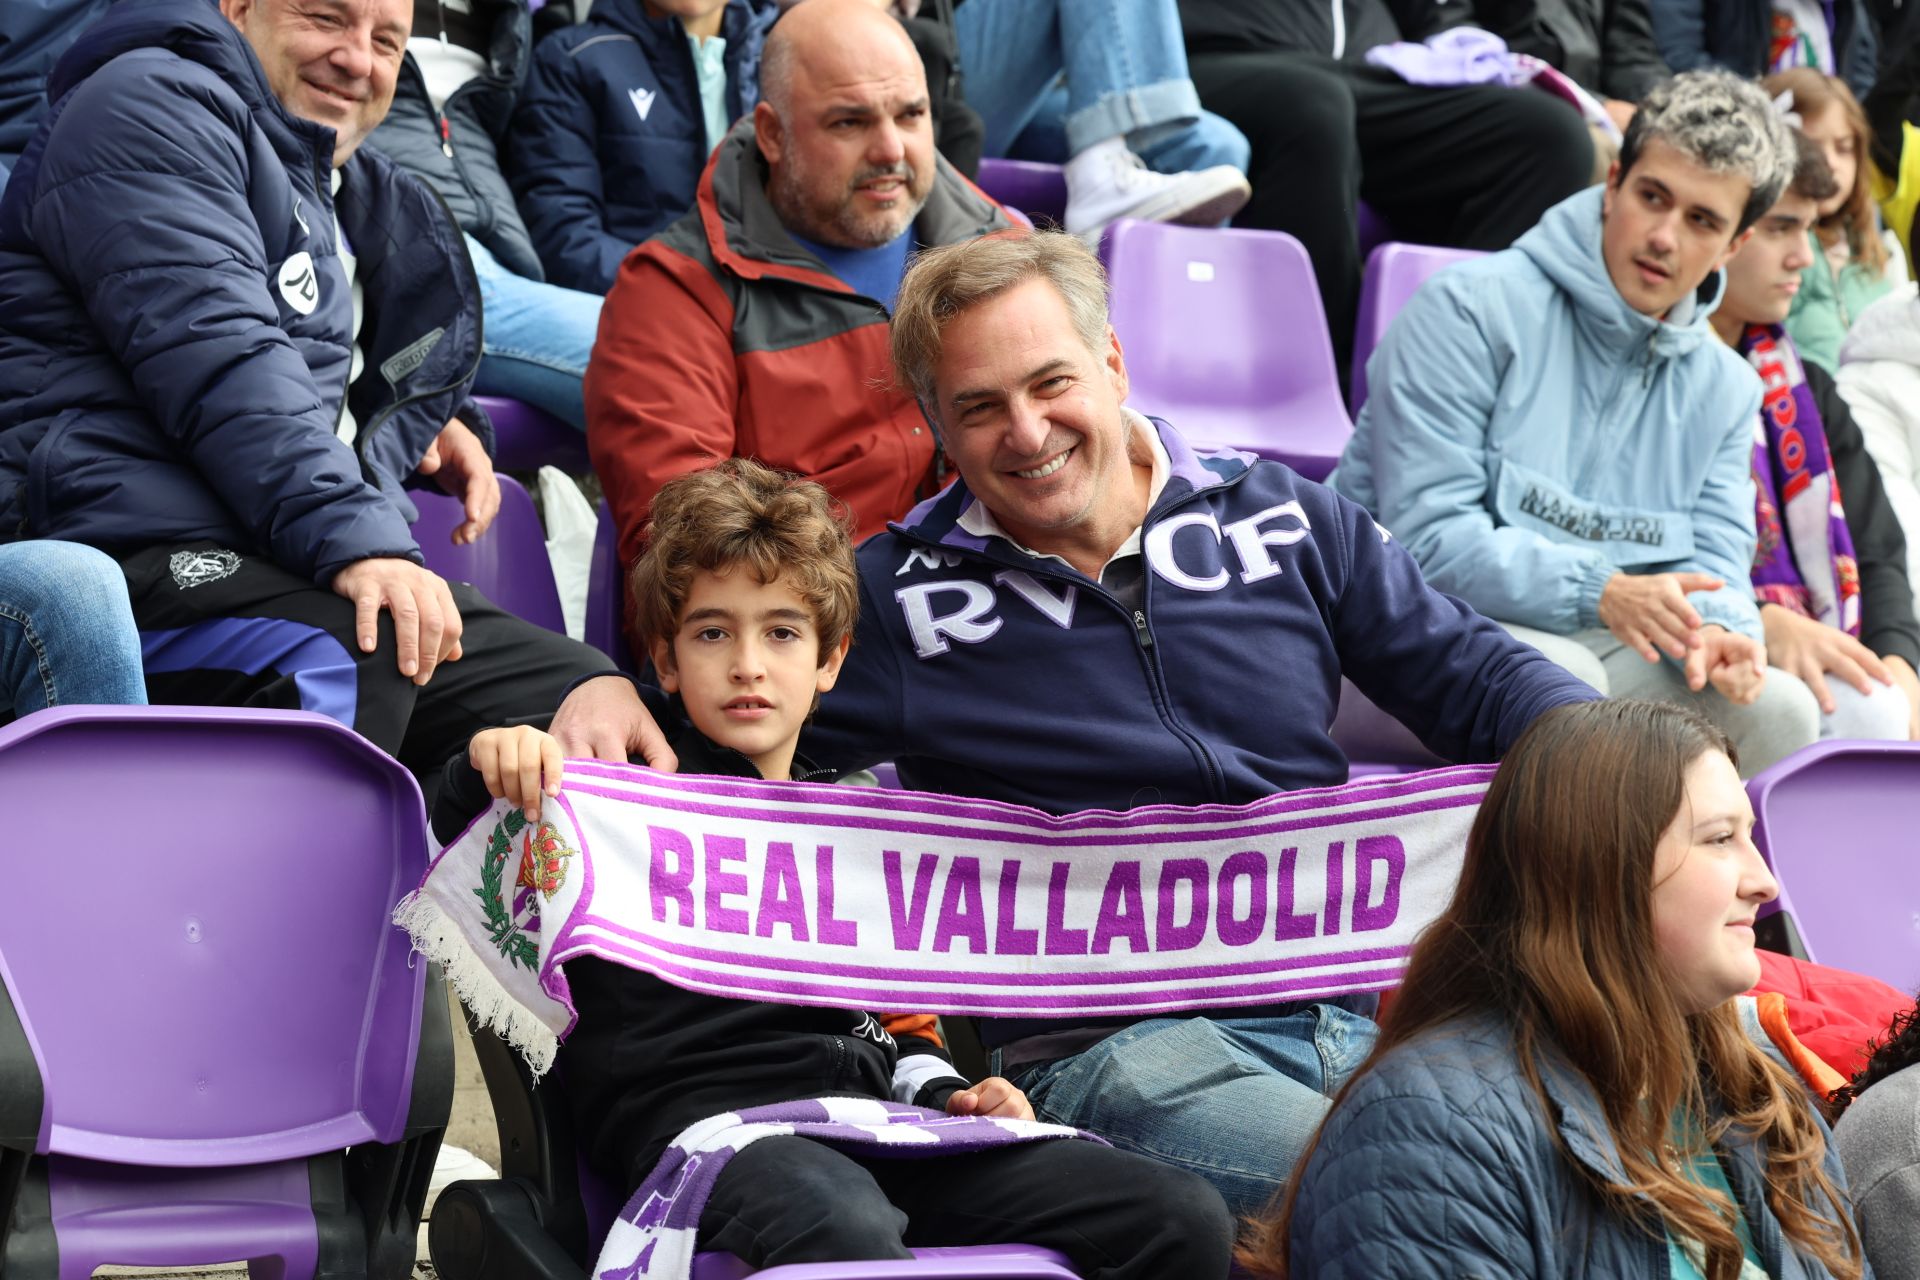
(199, 942)
(507, 564)
(606, 593)
(1225, 338)
(526, 438)
(1394, 271)
(1037, 190)
(1836, 823)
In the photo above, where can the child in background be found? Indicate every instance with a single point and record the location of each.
(1566, 1085)
(746, 597)
(1853, 266)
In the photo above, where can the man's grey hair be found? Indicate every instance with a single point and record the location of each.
(1724, 124)
(776, 72)
(944, 282)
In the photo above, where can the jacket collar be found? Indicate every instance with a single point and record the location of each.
(196, 31)
(700, 754)
(746, 237)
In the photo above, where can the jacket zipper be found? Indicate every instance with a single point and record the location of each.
(1142, 634)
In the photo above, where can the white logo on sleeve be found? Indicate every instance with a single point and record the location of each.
(642, 101)
(298, 283)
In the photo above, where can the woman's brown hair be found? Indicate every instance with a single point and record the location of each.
(1551, 927)
(1815, 93)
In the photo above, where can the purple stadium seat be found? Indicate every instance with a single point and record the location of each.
(1373, 229)
(1037, 190)
(606, 593)
(526, 438)
(1394, 271)
(1835, 822)
(508, 564)
(1001, 1262)
(1226, 339)
(207, 1002)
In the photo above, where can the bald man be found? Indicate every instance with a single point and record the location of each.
(756, 325)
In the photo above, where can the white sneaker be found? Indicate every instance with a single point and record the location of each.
(1107, 181)
(455, 1164)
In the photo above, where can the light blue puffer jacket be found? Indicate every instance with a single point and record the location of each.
(1528, 434)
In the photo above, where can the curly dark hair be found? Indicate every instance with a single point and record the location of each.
(1899, 1049)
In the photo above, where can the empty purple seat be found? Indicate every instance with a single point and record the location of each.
(1037, 190)
(508, 563)
(1394, 271)
(1225, 338)
(207, 1001)
(999, 1262)
(1835, 822)
(526, 438)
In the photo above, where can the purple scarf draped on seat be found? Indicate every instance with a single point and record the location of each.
(1804, 559)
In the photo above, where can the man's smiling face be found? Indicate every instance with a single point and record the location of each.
(334, 62)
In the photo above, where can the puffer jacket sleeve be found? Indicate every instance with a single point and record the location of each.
(1432, 385)
(141, 207)
(1884, 396)
(554, 166)
(1411, 1186)
(1630, 61)
(1723, 523)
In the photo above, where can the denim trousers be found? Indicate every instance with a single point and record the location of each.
(538, 338)
(66, 630)
(1234, 1100)
(1125, 69)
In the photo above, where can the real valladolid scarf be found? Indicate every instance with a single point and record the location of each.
(1804, 558)
(804, 893)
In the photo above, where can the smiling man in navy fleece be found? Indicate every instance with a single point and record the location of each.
(1095, 616)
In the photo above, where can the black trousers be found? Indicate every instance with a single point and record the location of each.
(219, 629)
(1117, 1215)
(1469, 167)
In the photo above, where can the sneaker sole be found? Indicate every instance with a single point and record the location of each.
(1197, 205)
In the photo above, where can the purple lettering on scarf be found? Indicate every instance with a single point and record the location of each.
(675, 885)
(1288, 924)
(1168, 936)
(1369, 850)
(721, 850)
(832, 932)
(782, 901)
(1237, 931)
(1062, 941)
(1123, 911)
(909, 914)
(1008, 938)
(963, 909)
(1336, 886)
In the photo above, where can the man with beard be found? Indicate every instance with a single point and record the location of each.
(756, 325)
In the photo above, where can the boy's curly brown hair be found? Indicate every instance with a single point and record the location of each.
(737, 513)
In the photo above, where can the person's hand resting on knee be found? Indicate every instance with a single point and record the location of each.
(991, 1097)
(1812, 650)
(1649, 613)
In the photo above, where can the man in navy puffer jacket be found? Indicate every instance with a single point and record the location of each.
(617, 120)
(228, 337)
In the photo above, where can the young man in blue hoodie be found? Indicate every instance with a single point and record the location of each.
(1560, 440)
(1095, 616)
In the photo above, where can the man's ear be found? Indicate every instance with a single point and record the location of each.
(1609, 189)
(1116, 363)
(831, 663)
(663, 666)
(769, 132)
(1733, 246)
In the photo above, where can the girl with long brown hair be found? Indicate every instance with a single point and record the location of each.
(1565, 1084)
(1852, 268)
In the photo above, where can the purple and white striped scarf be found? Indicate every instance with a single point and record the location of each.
(845, 897)
(1803, 559)
(656, 1233)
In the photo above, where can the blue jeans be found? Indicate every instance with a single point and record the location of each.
(1126, 73)
(1232, 1099)
(66, 630)
(538, 338)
